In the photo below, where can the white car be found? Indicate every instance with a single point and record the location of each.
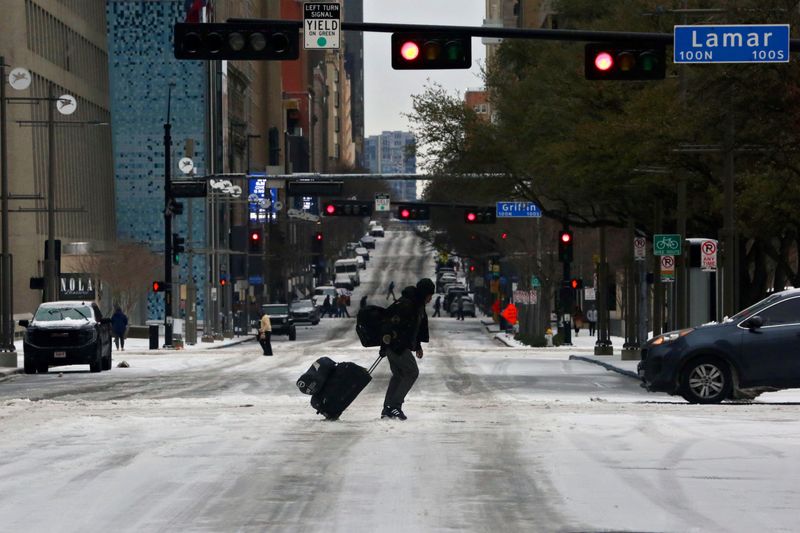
(360, 262)
(349, 267)
(376, 231)
(363, 253)
(343, 281)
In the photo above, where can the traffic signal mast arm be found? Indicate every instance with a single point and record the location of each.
(502, 33)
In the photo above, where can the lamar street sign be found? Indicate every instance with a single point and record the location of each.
(739, 43)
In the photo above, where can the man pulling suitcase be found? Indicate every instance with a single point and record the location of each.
(409, 323)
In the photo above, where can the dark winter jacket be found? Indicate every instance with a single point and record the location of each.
(119, 322)
(408, 321)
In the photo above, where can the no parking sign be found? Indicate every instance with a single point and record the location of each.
(708, 256)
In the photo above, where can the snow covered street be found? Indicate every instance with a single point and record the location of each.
(498, 439)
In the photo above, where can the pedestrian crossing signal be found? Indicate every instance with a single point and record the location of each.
(159, 286)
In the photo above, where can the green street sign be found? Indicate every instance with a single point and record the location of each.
(667, 244)
(535, 283)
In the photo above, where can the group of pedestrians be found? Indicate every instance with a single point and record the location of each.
(336, 307)
(589, 318)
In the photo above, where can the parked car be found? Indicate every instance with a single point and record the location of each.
(360, 262)
(752, 352)
(305, 311)
(350, 246)
(350, 268)
(376, 231)
(445, 280)
(363, 252)
(468, 306)
(281, 320)
(452, 292)
(343, 281)
(66, 333)
(321, 292)
(367, 241)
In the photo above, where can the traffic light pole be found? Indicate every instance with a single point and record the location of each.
(168, 225)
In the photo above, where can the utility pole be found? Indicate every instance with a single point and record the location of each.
(168, 223)
(6, 299)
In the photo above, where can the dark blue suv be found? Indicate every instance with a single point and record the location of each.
(755, 351)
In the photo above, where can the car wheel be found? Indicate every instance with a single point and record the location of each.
(42, 368)
(97, 364)
(107, 362)
(30, 365)
(292, 334)
(706, 380)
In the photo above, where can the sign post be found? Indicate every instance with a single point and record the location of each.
(667, 244)
(382, 202)
(739, 43)
(321, 25)
(708, 256)
(667, 268)
(518, 210)
(639, 248)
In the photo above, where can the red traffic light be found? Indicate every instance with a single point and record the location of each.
(566, 237)
(472, 268)
(603, 61)
(330, 209)
(576, 283)
(405, 213)
(318, 236)
(409, 50)
(504, 235)
(223, 282)
(255, 236)
(471, 217)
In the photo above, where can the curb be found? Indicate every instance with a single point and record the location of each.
(499, 338)
(605, 365)
(7, 374)
(234, 343)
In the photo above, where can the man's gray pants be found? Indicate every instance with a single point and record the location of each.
(404, 374)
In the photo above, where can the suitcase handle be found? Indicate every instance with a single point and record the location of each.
(375, 364)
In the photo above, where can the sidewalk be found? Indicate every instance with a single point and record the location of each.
(140, 346)
(582, 349)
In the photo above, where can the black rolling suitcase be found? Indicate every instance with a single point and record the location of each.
(314, 378)
(343, 386)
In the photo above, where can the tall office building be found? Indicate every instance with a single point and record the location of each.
(354, 65)
(392, 152)
(142, 68)
(63, 44)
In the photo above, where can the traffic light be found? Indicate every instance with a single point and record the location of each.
(605, 61)
(431, 50)
(348, 208)
(177, 247)
(317, 243)
(576, 283)
(254, 241)
(159, 286)
(241, 41)
(223, 281)
(413, 212)
(472, 268)
(480, 215)
(504, 235)
(565, 242)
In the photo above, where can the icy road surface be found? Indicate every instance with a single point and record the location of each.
(498, 439)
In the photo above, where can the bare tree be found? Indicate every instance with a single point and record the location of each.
(126, 271)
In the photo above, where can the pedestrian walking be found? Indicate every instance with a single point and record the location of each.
(119, 327)
(390, 292)
(265, 334)
(343, 306)
(460, 308)
(591, 317)
(410, 330)
(577, 320)
(326, 307)
(437, 306)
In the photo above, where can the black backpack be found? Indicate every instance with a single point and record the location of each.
(374, 325)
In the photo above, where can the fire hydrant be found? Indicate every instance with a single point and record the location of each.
(548, 337)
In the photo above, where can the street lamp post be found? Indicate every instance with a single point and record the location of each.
(6, 305)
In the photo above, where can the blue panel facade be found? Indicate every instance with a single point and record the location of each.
(141, 68)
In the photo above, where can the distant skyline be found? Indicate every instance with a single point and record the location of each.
(387, 92)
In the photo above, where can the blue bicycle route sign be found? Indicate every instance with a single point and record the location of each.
(739, 43)
(518, 210)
